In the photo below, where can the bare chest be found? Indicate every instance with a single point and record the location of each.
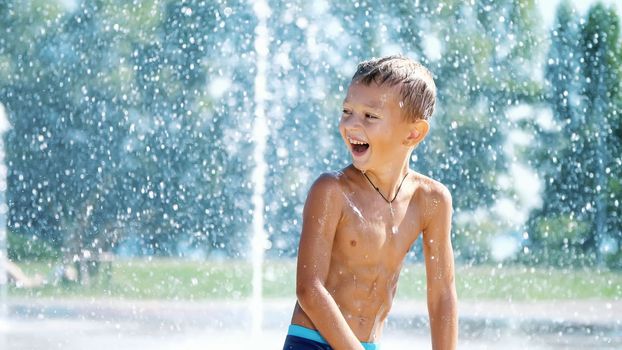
(371, 232)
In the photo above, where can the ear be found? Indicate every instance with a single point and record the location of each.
(417, 131)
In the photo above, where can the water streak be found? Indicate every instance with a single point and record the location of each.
(4, 126)
(260, 135)
(354, 208)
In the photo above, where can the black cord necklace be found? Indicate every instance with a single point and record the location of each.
(380, 193)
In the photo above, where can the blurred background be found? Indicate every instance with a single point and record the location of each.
(138, 137)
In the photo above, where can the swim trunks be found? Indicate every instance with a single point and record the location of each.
(302, 338)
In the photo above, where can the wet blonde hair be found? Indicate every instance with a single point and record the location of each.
(416, 85)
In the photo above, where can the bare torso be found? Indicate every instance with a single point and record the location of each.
(368, 252)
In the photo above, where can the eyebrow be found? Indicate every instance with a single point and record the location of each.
(375, 107)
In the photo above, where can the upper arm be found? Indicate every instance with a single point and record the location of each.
(320, 217)
(438, 252)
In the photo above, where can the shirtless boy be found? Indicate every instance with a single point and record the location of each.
(359, 223)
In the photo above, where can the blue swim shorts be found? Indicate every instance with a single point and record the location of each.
(302, 338)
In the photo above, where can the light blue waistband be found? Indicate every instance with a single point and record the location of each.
(311, 334)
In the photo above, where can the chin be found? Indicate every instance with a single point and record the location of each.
(362, 162)
(361, 166)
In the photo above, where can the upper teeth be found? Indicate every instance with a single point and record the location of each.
(357, 142)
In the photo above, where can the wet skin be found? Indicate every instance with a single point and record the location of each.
(352, 247)
(366, 255)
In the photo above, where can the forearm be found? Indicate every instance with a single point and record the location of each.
(322, 309)
(443, 312)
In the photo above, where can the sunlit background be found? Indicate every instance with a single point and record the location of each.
(156, 156)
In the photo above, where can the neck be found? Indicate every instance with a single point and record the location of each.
(388, 179)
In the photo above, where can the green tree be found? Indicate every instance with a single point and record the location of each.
(115, 136)
(558, 154)
(578, 218)
(601, 90)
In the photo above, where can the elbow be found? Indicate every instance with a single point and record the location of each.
(307, 294)
(447, 299)
(444, 307)
(451, 300)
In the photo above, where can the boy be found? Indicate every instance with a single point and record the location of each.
(359, 223)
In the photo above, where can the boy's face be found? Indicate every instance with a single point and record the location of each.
(372, 126)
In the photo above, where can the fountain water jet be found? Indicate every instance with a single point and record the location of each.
(4, 257)
(260, 134)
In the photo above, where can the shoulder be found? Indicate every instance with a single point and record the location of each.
(325, 200)
(434, 197)
(429, 188)
(439, 193)
(327, 187)
(327, 182)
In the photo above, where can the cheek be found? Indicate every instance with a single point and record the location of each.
(342, 133)
(384, 135)
(341, 126)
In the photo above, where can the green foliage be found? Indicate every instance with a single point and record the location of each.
(563, 230)
(561, 241)
(601, 65)
(581, 162)
(614, 261)
(114, 134)
(472, 238)
(23, 248)
(117, 135)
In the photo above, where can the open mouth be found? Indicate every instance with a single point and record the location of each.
(358, 147)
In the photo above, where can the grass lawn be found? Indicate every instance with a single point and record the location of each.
(191, 280)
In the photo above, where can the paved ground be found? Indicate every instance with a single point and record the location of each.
(102, 324)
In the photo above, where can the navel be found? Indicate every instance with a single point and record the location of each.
(353, 243)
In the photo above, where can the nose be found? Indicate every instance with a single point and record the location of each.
(349, 126)
(351, 122)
